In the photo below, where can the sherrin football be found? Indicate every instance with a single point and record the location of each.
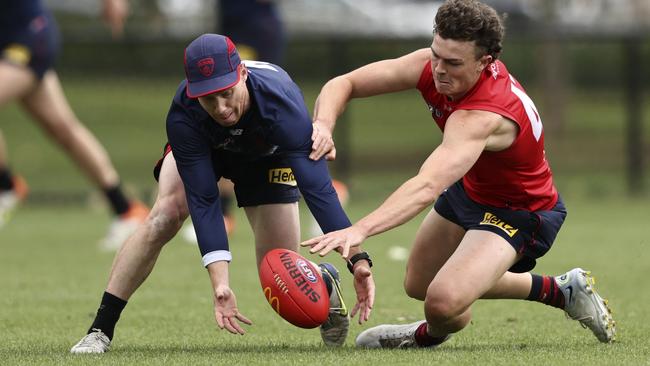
(294, 288)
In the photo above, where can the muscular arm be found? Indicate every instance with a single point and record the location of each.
(380, 77)
(466, 136)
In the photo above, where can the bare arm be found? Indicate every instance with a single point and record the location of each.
(467, 134)
(380, 77)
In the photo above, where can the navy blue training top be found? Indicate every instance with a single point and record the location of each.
(17, 13)
(277, 123)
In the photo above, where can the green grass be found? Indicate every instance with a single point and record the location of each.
(52, 276)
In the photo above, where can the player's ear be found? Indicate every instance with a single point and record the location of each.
(243, 72)
(483, 62)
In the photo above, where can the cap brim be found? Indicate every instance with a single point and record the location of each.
(214, 85)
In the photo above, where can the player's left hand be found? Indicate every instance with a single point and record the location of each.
(340, 240)
(323, 143)
(364, 286)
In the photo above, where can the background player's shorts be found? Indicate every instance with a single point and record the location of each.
(257, 182)
(530, 233)
(34, 44)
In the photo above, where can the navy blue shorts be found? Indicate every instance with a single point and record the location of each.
(257, 182)
(530, 233)
(34, 45)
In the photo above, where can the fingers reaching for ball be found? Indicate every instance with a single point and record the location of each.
(226, 313)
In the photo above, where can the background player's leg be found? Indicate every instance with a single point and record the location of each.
(48, 105)
(15, 82)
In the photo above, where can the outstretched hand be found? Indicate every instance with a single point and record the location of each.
(225, 311)
(364, 286)
(340, 240)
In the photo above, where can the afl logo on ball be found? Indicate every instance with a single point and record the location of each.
(206, 66)
(306, 271)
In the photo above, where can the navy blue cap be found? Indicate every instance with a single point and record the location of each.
(211, 65)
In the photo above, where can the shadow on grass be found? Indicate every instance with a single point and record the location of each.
(235, 350)
(285, 348)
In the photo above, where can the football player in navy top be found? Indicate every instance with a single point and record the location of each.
(28, 46)
(246, 121)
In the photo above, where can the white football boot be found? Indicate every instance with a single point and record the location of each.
(94, 342)
(335, 329)
(582, 303)
(9, 200)
(392, 336)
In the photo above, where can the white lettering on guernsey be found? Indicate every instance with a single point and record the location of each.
(494, 68)
(259, 65)
(531, 111)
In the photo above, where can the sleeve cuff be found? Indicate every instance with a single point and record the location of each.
(215, 256)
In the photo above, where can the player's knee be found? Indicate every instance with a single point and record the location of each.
(415, 288)
(167, 216)
(442, 303)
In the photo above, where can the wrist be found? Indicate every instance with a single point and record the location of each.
(362, 256)
(329, 124)
(218, 272)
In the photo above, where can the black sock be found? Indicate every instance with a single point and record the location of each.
(6, 183)
(546, 291)
(117, 200)
(108, 314)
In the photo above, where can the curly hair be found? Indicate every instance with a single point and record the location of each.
(470, 20)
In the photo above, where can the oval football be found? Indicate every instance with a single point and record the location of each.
(294, 288)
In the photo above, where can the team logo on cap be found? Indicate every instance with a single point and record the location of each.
(206, 66)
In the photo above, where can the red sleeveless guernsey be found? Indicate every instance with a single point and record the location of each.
(518, 177)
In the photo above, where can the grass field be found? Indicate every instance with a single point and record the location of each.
(52, 275)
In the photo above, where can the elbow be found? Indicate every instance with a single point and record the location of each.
(426, 192)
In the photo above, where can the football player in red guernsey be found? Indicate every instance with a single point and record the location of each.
(496, 209)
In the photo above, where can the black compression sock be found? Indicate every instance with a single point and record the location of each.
(6, 183)
(117, 200)
(108, 314)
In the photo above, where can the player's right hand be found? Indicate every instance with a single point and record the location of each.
(340, 241)
(225, 311)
